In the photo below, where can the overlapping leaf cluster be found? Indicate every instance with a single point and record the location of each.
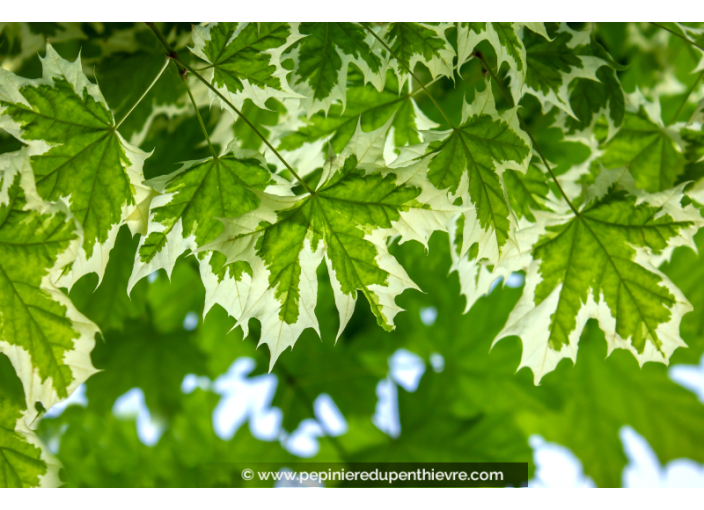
(307, 154)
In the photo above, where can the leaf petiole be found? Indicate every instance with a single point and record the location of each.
(184, 79)
(163, 68)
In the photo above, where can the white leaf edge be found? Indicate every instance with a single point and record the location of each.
(257, 94)
(54, 66)
(78, 359)
(240, 236)
(531, 323)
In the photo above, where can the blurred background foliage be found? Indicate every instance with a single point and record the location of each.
(470, 404)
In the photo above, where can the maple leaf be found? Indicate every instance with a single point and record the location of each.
(246, 59)
(469, 162)
(346, 221)
(77, 155)
(600, 262)
(46, 339)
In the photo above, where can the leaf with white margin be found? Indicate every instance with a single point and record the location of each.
(553, 64)
(185, 215)
(321, 56)
(470, 161)
(347, 221)
(476, 277)
(591, 100)
(692, 139)
(246, 59)
(24, 459)
(77, 155)
(504, 37)
(46, 339)
(369, 106)
(602, 264)
(527, 193)
(414, 43)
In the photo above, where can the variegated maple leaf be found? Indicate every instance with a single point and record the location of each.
(246, 59)
(470, 161)
(184, 216)
(649, 149)
(77, 155)
(414, 43)
(321, 56)
(346, 221)
(25, 461)
(527, 193)
(555, 58)
(504, 37)
(600, 262)
(46, 339)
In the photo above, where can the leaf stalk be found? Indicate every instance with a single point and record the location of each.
(163, 68)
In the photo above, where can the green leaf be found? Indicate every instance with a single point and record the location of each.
(470, 161)
(686, 270)
(430, 431)
(24, 460)
(600, 263)
(693, 34)
(106, 302)
(424, 43)
(504, 37)
(246, 59)
(347, 220)
(590, 99)
(98, 449)
(175, 139)
(647, 149)
(553, 64)
(527, 192)
(346, 377)
(600, 396)
(693, 141)
(164, 360)
(47, 340)
(366, 106)
(185, 214)
(321, 58)
(264, 120)
(76, 153)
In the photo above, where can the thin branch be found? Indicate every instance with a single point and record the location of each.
(163, 68)
(174, 56)
(547, 165)
(686, 98)
(678, 35)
